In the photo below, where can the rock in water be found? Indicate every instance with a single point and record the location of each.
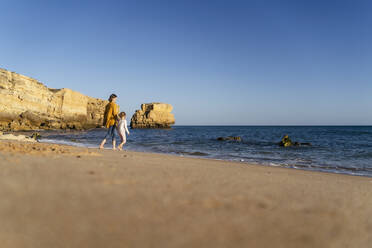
(35, 136)
(231, 138)
(26, 104)
(286, 141)
(153, 115)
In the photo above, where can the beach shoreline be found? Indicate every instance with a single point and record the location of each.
(58, 196)
(195, 155)
(336, 149)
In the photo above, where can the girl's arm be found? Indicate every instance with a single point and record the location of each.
(125, 126)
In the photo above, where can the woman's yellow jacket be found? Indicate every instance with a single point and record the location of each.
(111, 115)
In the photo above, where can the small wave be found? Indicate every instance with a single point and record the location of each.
(367, 155)
(179, 143)
(64, 142)
(274, 164)
(199, 154)
(349, 132)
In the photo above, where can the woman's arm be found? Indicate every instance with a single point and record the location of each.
(115, 111)
(118, 127)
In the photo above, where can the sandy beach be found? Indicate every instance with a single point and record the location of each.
(62, 196)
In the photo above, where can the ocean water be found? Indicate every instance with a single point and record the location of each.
(338, 149)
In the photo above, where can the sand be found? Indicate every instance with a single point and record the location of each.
(61, 196)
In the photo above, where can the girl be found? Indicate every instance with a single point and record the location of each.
(110, 120)
(122, 128)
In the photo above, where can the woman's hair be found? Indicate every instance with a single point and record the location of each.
(112, 96)
(122, 114)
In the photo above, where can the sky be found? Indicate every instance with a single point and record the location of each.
(231, 62)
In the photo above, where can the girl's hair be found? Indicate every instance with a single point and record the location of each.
(122, 114)
(112, 96)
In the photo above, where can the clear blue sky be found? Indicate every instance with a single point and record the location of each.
(217, 62)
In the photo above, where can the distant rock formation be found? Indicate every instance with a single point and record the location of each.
(26, 104)
(153, 115)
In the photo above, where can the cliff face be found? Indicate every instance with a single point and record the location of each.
(27, 104)
(153, 115)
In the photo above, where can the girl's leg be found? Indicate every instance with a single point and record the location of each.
(122, 142)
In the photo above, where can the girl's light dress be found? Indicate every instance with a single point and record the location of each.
(123, 129)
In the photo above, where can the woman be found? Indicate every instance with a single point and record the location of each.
(110, 121)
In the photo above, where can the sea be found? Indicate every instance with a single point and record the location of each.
(336, 149)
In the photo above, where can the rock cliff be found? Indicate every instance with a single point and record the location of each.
(26, 104)
(153, 115)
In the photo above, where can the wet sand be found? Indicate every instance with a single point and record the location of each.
(61, 196)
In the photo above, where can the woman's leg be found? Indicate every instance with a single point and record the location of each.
(113, 137)
(101, 146)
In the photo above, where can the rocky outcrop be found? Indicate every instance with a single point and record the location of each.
(286, 142)
(230, 138)
(153, 115)
(26, 104)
